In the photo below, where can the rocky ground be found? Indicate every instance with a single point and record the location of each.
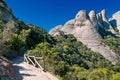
(6, 69)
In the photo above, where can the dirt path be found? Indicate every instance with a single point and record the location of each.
(24, 71)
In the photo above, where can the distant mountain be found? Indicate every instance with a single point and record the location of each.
(90, 28)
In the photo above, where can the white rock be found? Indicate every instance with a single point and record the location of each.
(55, 31)
(81, 16)
(92, 16)
(115, 20)
(105, 23)
(84, 28)
(68, 27)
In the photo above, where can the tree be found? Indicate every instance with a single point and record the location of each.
(15, 43)
(116, 76)
(100, 74)
(3, 48)
(117, 66)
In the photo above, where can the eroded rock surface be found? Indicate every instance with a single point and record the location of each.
(115, 20)
(85, 28)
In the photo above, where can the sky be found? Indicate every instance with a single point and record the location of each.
(50, 13)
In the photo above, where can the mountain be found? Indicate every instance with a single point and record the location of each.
(16, 37)
(89, 28)
(8, 18)
(115, 21)
(85, 48)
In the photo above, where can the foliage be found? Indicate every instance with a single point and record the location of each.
(117, 66)
(69, 58)
(100, 74)
(64, 55)
(113, 43)
(26, 38)
(2, 24)
(15, 43)
(116, 76)
(36, 36)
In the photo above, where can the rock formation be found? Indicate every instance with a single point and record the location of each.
(6, 69)
(85, 28)
(8, 26)
(93, 18)
(9, 19)
(115, 20)
(5, 12)
(55, 31)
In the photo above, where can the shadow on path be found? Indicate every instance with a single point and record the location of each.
(17, 69)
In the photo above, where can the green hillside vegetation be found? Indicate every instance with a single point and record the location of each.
(22, 38)
(27, 39)
(64, 56)
(113, 43)
(71, 60)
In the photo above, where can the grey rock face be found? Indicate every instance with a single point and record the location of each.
(5, 12)
(103, 13)
(85, 28)
(68, 27)
(10, 21)
(55, 31)
(115, 20)
(81, 16)
(99, 17)
(92, 16)
(104, 22)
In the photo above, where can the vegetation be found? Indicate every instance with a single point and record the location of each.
(64, 56)
(113, 43)
(25, 39)
(71, 60)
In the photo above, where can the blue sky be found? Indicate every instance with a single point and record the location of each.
(49, 13)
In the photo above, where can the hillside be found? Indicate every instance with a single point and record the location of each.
(16, 37)
(89, 29)
(85, 48)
